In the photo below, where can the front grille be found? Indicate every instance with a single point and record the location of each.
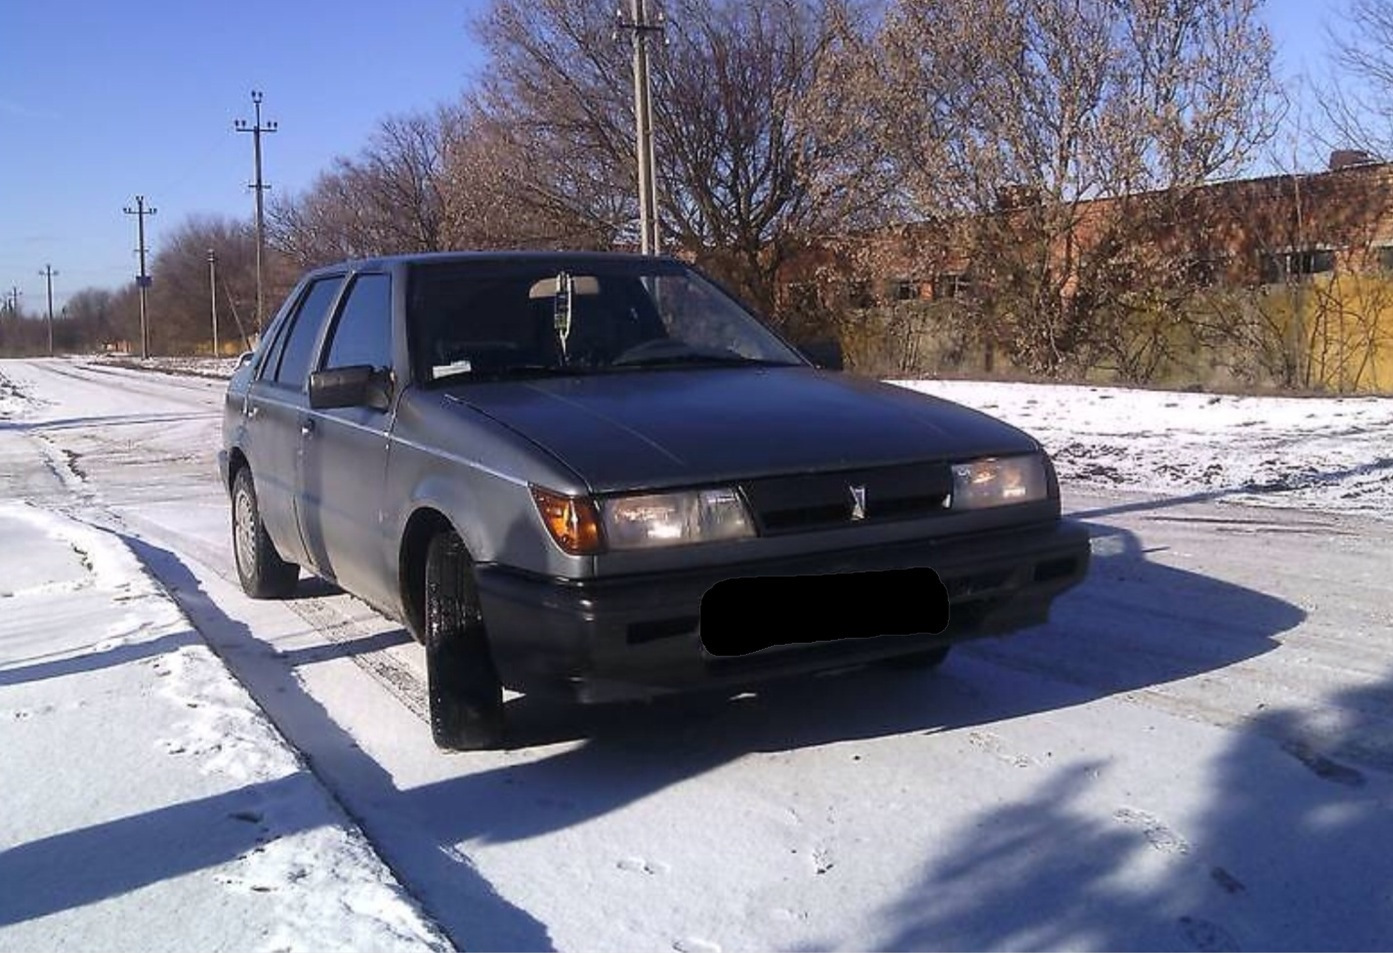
(827, 500)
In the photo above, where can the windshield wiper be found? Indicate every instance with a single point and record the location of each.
(512, 372)
(695, 358)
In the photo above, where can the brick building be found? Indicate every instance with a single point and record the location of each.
(1304, 260)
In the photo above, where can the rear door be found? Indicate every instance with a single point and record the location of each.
(276, 404)
(344, 451)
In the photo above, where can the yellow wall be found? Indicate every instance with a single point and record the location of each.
(1348, 325)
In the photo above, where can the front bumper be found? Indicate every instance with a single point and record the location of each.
(636, 636)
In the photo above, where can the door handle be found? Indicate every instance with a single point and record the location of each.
(307, 427)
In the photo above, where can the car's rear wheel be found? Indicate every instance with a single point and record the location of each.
(466, 697)
(926, 659)
(260, 568)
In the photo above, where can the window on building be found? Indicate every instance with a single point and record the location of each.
(858, 294)
(951, 285)
(1205, 270)
(1293, 265)
(1385, 258)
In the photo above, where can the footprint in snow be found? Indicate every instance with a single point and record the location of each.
(1322, 767)
(1227, 881)
(994, 744)
(1207, 937)
(695, 945)
(1157, 834)
(637, 865)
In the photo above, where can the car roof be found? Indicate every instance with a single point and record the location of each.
(446, 257)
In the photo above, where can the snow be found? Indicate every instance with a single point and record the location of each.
(149, 804)
(1196, 753)
(1330, 453)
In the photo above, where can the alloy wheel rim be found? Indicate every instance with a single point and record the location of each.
(245, 544)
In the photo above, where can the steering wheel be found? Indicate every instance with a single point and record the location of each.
(655, 348)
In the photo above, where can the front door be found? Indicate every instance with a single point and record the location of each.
(344, 452)
(275, 408)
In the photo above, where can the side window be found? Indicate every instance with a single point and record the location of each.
(294, 364)
(272, 345)
(363, 332)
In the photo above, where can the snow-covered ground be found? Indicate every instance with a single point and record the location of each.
(148, 803)
(1328, 453)
(1196, 752)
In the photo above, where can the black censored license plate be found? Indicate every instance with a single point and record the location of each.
(739, 616)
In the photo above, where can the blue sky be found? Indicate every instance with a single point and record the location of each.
(101, 100)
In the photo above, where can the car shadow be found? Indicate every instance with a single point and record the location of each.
(313, 587)
(1131, 624)
(1287, 849)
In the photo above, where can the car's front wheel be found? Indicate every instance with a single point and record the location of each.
(466, 697)
(260, 568)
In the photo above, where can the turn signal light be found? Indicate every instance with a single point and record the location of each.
(573, 522)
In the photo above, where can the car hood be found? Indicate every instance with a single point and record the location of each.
(673, 427)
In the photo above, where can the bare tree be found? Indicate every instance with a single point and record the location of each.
(387, 199)
(180, 306)
(750, 159)
(1358, 98)
(1060, 137)
(506, 188)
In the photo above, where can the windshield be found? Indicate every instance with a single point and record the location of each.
(553, 315)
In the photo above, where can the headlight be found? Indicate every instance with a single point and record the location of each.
(999, 482)
(672, 519)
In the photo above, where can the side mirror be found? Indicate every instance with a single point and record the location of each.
(358, 386)
(825, 354)
(244, 359)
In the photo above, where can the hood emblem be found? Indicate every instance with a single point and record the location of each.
(858, 502)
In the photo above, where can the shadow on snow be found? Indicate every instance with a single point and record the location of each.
(1133, 623)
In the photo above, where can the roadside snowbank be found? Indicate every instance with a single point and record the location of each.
(1328, 453)
(148, 802)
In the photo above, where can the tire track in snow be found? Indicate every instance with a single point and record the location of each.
(325, 619)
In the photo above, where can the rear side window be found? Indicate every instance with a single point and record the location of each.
(363, 332)
(294, 364)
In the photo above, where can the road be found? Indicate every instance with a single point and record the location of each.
(1197, 751)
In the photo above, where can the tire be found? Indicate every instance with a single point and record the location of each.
(466, 696)
(922, 660)
(260, 569)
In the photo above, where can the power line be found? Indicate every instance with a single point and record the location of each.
(640, 26)
(142, 280)
(48, 273)
(259, 187)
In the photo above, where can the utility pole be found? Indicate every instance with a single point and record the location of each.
(12, 300)
(641, 27)
(48, 273)
(213, 294)
(142, 280)
(259, 186)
